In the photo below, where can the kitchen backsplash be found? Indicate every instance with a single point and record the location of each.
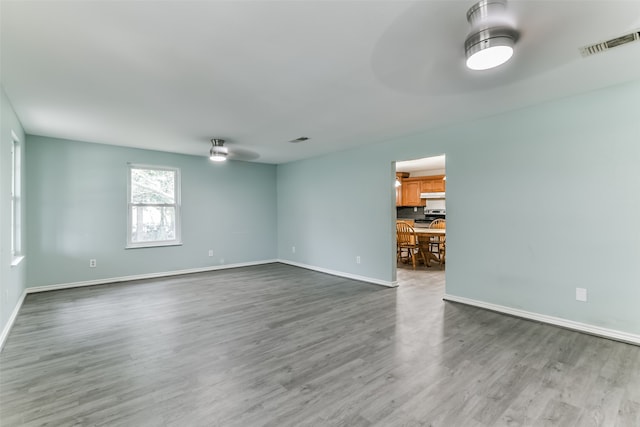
(408, 213)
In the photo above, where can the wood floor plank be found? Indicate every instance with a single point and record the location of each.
(276, 345)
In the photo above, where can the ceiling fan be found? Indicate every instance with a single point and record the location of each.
(219, 153)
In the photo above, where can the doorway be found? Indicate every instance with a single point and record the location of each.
(421, 203)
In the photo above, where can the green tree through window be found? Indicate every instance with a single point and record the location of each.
(154, 207)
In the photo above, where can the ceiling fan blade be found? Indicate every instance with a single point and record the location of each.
(242, 154)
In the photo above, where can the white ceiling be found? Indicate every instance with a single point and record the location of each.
(170, 75)
(435, 163)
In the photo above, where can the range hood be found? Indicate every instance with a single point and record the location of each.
(438, 195)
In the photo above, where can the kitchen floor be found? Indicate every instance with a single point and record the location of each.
(434, 268)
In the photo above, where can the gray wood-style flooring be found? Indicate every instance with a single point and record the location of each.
(276, 345)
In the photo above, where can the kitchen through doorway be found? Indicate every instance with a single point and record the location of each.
(421, 204)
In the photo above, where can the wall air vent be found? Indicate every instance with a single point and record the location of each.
(610, 44)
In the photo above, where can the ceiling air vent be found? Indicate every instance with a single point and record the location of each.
(610, 44)
(301, 139)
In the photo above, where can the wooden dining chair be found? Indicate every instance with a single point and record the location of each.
(411, 222)
(438, 244)
(408, 243)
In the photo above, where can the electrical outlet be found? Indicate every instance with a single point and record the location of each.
(358, 259)
(210, 252)
(92, 263)
(293, 249)
(221, 260)
(581, 294)
(415, 209)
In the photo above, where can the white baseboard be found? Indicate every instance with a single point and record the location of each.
(11, 320)
(341, 274)
(557, 321)
(45, 288)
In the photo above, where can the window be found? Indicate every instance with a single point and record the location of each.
(16, 203)
(154, 206)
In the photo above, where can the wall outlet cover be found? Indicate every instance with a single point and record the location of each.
(581, 294)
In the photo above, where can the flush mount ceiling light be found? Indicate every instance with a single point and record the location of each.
(218, 152)
(492, 39)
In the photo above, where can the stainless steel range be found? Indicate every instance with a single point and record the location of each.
(429, 216)
(435, 212)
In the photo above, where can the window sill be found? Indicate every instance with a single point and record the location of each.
(16, 260)
(151, 245)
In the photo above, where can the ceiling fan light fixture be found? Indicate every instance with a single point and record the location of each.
(218, 152)
(491, 43)
(218, 157)
(488, 51)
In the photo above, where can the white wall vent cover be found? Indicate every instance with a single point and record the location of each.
(610, 44)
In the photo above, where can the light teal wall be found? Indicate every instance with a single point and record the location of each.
(539, 201)
(76, 210)
(335, 208)
(12, 279)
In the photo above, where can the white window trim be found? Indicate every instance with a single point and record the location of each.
(15, 260)
(177, 183)
(16, 201)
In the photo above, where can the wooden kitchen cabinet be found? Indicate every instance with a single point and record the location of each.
(439, 184)
(426, 186)
(408, 194)
(400, 176)
(433, 184)
(411, 193)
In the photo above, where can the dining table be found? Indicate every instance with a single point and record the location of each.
(429, 232)
(425, 234)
